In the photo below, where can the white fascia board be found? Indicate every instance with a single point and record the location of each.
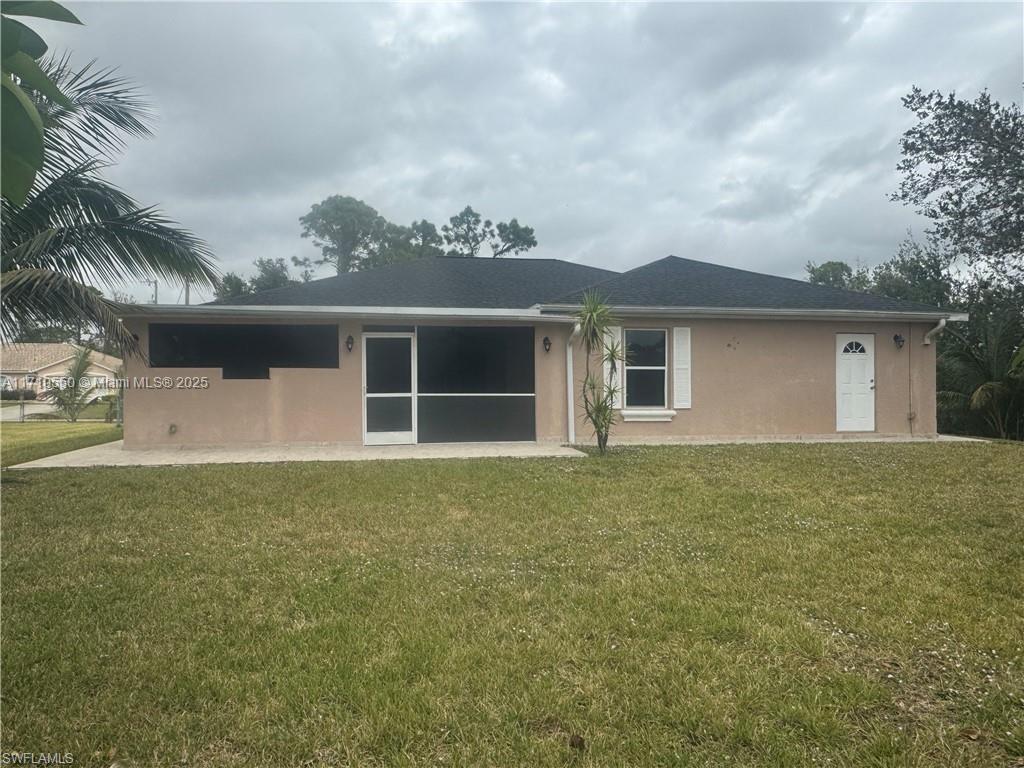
(754, 313)
(228, 311)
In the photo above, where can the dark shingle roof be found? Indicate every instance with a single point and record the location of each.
(677, 282)
(438, 282)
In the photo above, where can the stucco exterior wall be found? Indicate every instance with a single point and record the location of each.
(299, 405)
(749, 377)
(777, 377)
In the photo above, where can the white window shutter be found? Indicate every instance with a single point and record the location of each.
(681, 367)
(614, 336)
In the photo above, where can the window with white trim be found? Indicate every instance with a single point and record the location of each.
(646, 368)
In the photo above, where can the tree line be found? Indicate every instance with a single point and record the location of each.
(352, 236)
(963, 169)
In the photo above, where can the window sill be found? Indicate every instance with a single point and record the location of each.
(647, 414)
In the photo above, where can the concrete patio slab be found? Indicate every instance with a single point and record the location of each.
(114, 454)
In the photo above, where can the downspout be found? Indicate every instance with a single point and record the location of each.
(934, 332)
(570, 402)
(911, 415)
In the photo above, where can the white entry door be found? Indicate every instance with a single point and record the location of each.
(855, 382)
(389, 388)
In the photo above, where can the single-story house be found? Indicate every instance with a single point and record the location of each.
(29, 365)
(456, 349)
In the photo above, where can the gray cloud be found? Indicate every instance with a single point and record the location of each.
(758, 135)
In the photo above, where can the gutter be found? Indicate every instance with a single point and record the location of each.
(763, 313)
(152, 311)
(570, 401)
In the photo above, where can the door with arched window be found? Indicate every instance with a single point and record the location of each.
(855, 382)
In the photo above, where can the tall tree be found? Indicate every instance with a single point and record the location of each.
(963, 168)
(918, 272)
(838, 274)
(75, 228)
(512, 237)
(344, 229)
(231, 286)
(425, 240)
(467, 232)
(270, 273)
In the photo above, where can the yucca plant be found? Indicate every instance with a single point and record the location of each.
(75, 229)
(594, 319)
(71, 393)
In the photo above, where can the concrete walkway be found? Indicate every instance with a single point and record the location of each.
(114, 455)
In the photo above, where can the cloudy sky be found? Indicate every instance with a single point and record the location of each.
(754, 135)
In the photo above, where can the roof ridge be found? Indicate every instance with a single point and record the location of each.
(696, 283)
(840, 291)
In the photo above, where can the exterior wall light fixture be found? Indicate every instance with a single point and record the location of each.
(349, 343)
(547, 344)
(899, 341)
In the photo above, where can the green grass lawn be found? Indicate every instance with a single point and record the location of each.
(21, 442)
(746, 605)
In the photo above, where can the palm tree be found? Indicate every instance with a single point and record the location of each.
(75, 228)
(982, 376)
(74, 391)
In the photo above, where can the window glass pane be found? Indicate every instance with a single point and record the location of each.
(645, 348)
(388, 365)
(475, 419)
(471, 360)
(645, 388)
(389, 414)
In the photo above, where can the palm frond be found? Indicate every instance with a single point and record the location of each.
(988, 395)
(32, 297)
(104, 110)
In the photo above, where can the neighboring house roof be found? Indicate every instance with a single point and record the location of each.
(674, 282)
(30, 357)
(437, 282)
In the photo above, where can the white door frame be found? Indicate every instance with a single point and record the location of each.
(867, 422)
(390, 438)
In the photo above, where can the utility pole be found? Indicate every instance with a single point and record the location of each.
(155, 283)
(186, 291)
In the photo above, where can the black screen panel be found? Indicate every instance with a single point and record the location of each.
(475, 419)
(474, 360)
(389, 414)
(388, 365)
(243, 351)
